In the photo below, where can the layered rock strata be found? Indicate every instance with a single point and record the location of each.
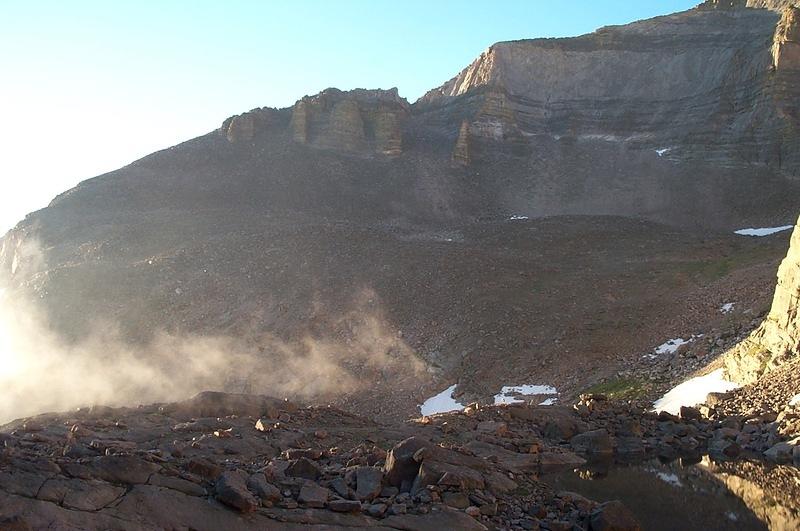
(367, 121)
(698, 85)
(242, 128)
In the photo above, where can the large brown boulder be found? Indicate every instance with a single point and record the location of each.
(231, 489)
(593, 442)
(401, 466)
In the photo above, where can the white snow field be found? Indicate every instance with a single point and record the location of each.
(693, 392)
(508, 394)
(441, 403)
(671, 345)
(763, 231)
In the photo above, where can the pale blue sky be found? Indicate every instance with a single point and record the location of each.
(89, 86)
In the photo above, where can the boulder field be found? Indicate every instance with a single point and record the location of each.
(224, 461)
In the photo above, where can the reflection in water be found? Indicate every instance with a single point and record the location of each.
(772, 493)
(692, 495)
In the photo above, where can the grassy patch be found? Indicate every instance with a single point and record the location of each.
(620, 388)
(712, 269)
(740, 257)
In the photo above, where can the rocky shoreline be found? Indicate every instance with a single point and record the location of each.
(242, 462)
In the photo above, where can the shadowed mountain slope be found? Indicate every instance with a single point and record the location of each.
(424, 223)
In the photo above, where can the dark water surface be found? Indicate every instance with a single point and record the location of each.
(705, 495)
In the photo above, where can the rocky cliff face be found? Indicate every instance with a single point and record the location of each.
(366, 121)
(786, 44)
(461, 150)
(282, 219)
(777, 340)
(774, 5)
(620, 121)
(244, 127)
(700, 84)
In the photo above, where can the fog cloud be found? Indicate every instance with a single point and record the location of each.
(40, 371)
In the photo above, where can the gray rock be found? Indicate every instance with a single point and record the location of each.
(724, 448)
(630, 445)
(312, 495)
(344, 506)
(124, 469)
(303, 468)
(458, 500)
(369, 482)
(376, 510)
(181, 485)
(398, 508)
(614, 516)
(781, 452)
(231, 490)
(262, 488)
(690, 413)
(204, 468)
(593, 442)
(339, 486)
(401, 467)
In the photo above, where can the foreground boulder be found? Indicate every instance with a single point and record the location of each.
(593, 442)
(326, 468)
(231, 489)
(402, 462)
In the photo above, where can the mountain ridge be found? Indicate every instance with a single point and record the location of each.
(493, 207)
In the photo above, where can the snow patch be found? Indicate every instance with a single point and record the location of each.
(669, 477)
(441, 403)
(764, 231)
(548, 402)
(508, 394)
(693, 392)
(670, 346)
(663, 151)
(727, 307)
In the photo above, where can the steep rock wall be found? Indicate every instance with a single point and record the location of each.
(778, 337)
(702, 84)
(361, 121)
(244, 127)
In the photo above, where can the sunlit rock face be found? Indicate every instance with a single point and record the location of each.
(243, 128)
(778, 337)
(275, 220)
(365, 121)
(702, 82)
(773, 5)
(786, 45)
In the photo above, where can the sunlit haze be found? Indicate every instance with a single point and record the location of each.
(91, 86)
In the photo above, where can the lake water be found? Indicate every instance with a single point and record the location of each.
(681, 495)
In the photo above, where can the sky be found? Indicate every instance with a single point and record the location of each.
(90, 86)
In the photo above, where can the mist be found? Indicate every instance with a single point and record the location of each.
(41, 372)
